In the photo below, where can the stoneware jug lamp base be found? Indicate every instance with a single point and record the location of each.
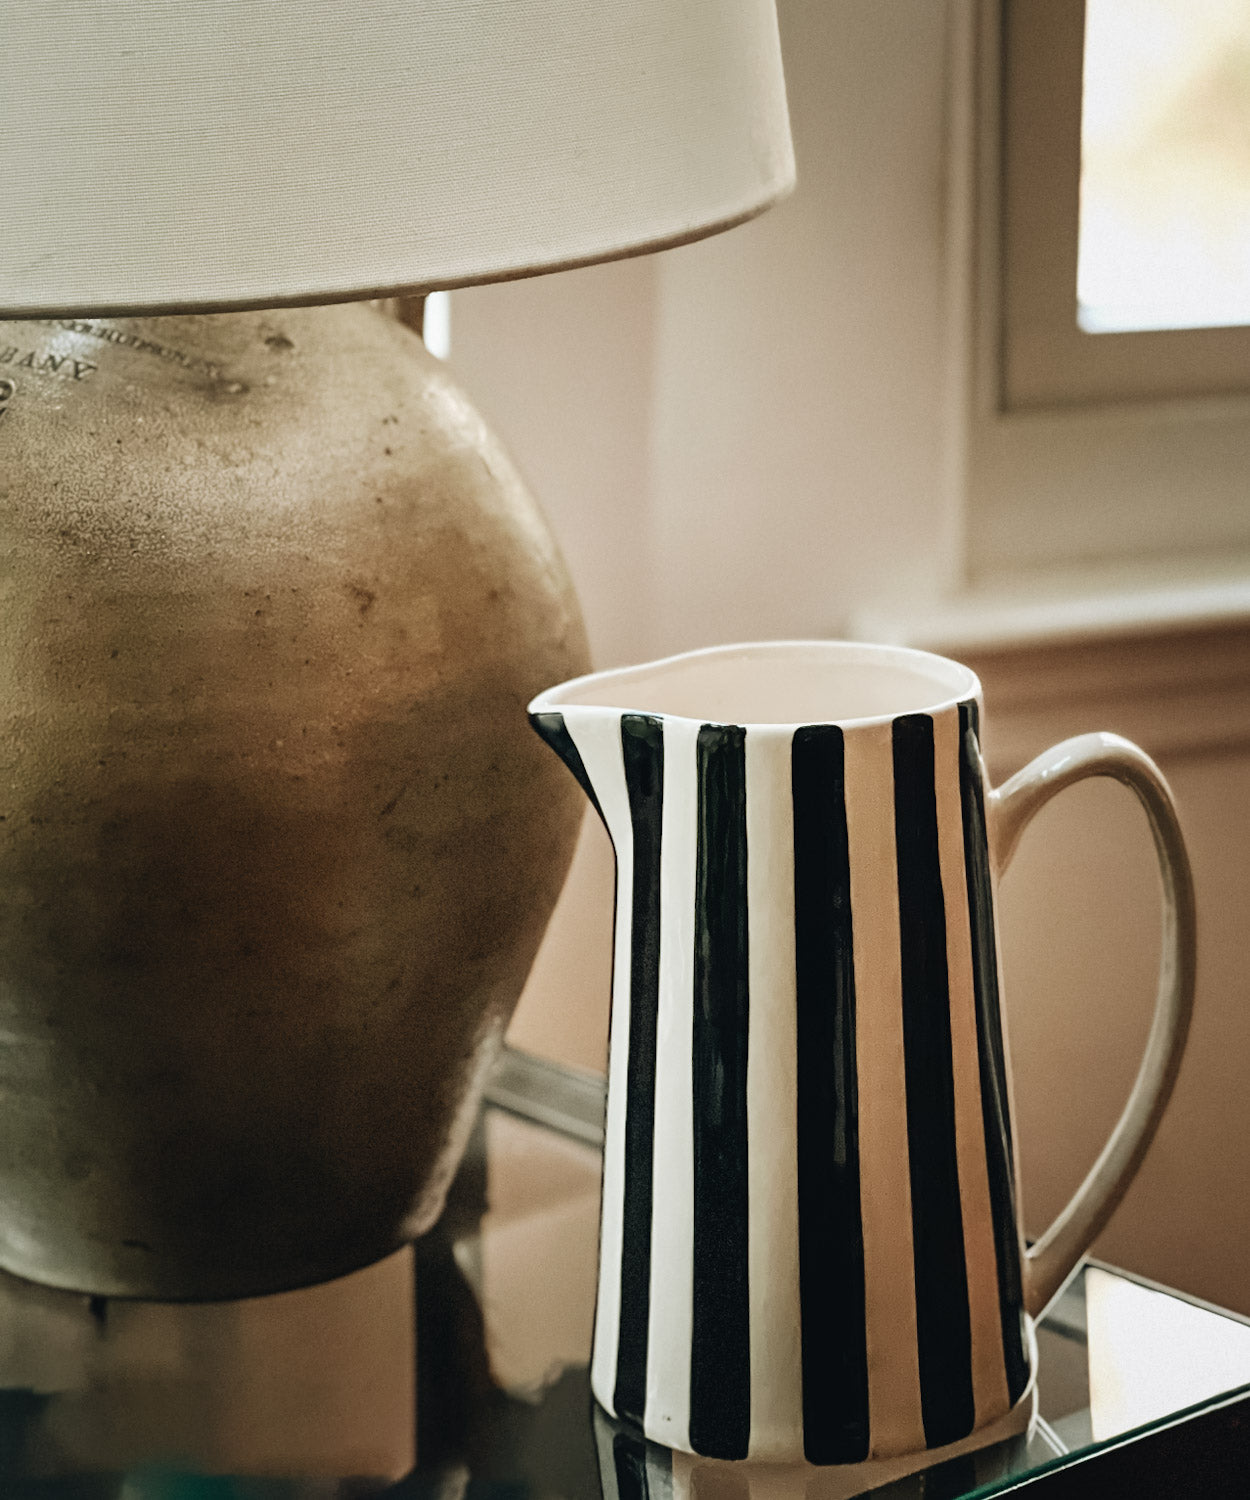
(277, 847)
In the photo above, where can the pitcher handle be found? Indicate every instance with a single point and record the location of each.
(1010, 808)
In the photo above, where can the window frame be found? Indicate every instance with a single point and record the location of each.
(1080, 451)
(1047, 359)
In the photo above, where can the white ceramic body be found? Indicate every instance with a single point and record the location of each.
(810, 1241)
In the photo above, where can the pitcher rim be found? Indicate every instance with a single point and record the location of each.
(556, 698)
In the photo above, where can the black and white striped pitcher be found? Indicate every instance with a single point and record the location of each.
(810, 1244)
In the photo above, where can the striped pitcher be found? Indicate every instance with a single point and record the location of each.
(810, 1242)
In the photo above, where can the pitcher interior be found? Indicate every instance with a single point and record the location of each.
(781, 682)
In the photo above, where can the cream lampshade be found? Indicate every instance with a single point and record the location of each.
(160, 155)
(277, 847)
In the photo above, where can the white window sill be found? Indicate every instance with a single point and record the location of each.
(1028, 610)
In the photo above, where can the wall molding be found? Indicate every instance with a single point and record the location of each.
(1177, 690)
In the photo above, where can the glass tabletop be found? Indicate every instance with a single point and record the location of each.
(456, 1369)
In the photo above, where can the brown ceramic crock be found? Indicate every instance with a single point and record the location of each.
(276, 845)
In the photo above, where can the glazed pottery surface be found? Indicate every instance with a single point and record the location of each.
(276, 846)
(810, 1240)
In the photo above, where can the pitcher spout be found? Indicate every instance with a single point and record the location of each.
(550, 726)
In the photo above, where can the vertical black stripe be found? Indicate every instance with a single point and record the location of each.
(942, 1318)
(551, 727)
(720, 1367)
(642, 747)
(831, 1238)
(630, 1467)
(995, 1113)
(629, 1460)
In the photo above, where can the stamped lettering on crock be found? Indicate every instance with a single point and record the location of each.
(124, 339)
(8, 389)
(39, 363)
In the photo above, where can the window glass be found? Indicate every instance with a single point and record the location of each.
(1165, 166)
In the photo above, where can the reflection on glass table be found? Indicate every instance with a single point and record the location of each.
(458, 1368)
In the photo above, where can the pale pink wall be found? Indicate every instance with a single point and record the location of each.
(744, 437)
(1079, 915)
(749, 437)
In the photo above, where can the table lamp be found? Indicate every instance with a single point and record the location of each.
(275, 849)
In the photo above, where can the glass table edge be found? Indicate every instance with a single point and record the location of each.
(1016, 1482)
(572, 1101)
